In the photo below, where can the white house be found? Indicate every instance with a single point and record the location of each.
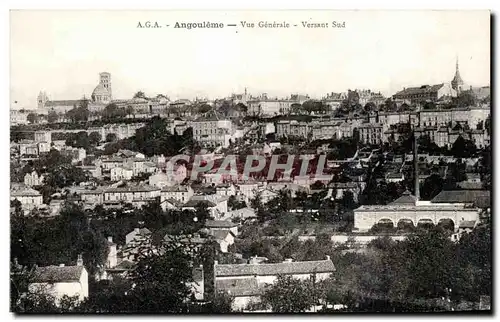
(29, 198)
(246, 282)
(243, 213)
(33, 179)
(248, 189)
(222, 225)
(160, 180)
(61, 280)
(178, 192)
(121, 173)
(224, 238)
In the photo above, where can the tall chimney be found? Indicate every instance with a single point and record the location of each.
(415, 164)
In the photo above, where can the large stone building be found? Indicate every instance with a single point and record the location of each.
(266, 106)
(409, 209)
(424, 93)
(100, 97)
(212, 131)
(102, 92)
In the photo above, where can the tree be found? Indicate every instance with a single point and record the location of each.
(221, 303)
(234, 204)
(464, 99)
(78, 140)
(431, 262)
(111, 137)
(242, 107)
(59, 240)
(390, 105)
(289, 295)
(475, 253)
(161, 277)
(79, 113)
(432, 186)
(32, 118)
(318, 185)
(94, 138)
(463, 148)
(203, 108)
(429, 106)
(52, 116)
(425, 145)
(370, 107)
(140, 94)
(112, 111)
(487, 125)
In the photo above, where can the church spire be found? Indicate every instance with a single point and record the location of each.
(457, 81)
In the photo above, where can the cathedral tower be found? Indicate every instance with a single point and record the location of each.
(42, 99)
(105, 80)
(102, 93)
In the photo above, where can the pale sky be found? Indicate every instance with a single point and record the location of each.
(62, 52)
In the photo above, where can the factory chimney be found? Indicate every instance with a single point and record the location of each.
(415, 165)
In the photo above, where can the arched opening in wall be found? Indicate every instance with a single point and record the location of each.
(383, 225)
(447, 224)
(425, 224)
(406, 225)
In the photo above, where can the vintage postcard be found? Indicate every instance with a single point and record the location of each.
(181, 162)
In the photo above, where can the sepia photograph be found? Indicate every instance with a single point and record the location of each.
(250, 161)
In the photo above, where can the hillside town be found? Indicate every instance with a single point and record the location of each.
(353, 202)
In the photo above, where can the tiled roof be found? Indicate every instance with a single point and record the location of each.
(239, 286)
(177, 188)
(25, 192)
(470, 185)
(189, 239)
(419, 90)
(219, 224)
(220, 234)
(309, 267)
(132, 189)
(460, 196)
(55, 274)
(194, 203)
(243, 213)
(405, 199)
(173, 202)
(90, 191)
(62, 103)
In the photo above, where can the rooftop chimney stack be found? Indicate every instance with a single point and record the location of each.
(79, 261)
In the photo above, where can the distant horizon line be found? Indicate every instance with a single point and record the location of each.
(192, 97)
